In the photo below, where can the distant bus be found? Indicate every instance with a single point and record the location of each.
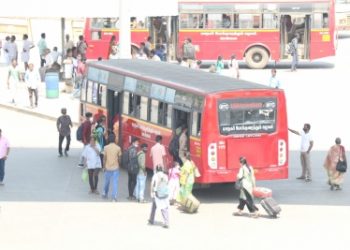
(342, 9)
(226, 118)
(256, 31)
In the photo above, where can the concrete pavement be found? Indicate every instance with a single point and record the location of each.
(47, 108)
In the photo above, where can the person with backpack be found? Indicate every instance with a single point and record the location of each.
(133, 167)
(100, 133)
(142, 174)
(160, 196)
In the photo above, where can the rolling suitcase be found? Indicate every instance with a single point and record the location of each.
(271, 207)
(262, 192)
(191, 204)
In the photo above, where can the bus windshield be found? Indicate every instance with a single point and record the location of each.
(247, 116)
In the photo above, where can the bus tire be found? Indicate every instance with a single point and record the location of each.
(257, 58)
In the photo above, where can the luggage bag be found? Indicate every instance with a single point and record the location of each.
(271, 207)
(262, 192)
(191, 204)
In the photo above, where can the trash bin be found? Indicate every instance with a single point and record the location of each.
(52, 81)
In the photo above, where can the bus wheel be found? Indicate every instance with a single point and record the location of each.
(257, 58)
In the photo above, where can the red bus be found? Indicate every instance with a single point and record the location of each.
(226, 118)
(256, 31)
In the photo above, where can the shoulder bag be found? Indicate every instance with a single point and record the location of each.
(341, 165)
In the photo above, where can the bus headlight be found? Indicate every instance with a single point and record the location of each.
(282, 152)
(212, 156)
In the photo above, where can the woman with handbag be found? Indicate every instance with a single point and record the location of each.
(247, 178)
(335, 164)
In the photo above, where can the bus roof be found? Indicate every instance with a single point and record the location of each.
(173, 75)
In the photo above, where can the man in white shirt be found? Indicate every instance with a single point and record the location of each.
(12, 49)
(32, 80)
(274, 81)
(305, 148)
(27, 46)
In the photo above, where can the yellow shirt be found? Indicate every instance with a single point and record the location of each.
(112, 156)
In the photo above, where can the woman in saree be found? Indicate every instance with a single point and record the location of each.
(335, 153)
(246, 175)
(186, 178)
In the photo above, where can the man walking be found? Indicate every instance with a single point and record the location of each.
(64, 123)
(27, 46)
(32, 79)
(42, 46)
(111, 159)
(189, 52)
(158, 154)
(306, 146)
(4, 153)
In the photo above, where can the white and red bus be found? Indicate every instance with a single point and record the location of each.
(226, 118)
(256, 31)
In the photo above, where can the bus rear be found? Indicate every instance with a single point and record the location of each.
(250, 123)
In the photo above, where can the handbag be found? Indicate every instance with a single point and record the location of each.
(85, 175)
(239, 184)
(341, 165)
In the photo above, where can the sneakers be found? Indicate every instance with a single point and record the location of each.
(66, 153)
(60, 155)
(301, 178)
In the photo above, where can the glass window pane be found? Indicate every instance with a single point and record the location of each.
(95, 93)
(317, 21)
(83, 90)
(154, 111)
(168, 115)
(144, 108)
(270, 21)
(103, 95)
(214, 21)
(126, 103)
(89, 91)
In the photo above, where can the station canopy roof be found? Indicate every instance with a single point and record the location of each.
(86, 8)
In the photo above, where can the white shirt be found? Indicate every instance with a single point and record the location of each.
(32, 79)
(12, 48)
(305, 141)
(274, 83)
(93, 159)
(27, 45)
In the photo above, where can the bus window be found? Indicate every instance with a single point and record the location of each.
(127, 103)
(270, 21)
(154, 111)
(102, 96)
(226, 21)
(95, 93)
(320, 20)
(89, 91)
(168, 111)
(136, 105)
(191, 21)
(83, 90)
(144, 108)
(214, 21)
(249, 21)
(196, 123)
(96, 35)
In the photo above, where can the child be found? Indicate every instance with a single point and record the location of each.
(174, 184)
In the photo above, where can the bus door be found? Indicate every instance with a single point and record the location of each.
(290, 26)
(113, 107)
(161, 30)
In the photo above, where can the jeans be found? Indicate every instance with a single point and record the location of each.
(60, 141)
(140, 187)
(249, 202)
(2, 169)
(294, 61)
(131, 183)
(31, 92)
(114, 174)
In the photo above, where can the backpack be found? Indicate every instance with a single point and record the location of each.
(162, 190)
(174, 145)
(132, 163)
(79, 134)
(125, 158)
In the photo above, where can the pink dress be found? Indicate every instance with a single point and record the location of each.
(174, 183)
